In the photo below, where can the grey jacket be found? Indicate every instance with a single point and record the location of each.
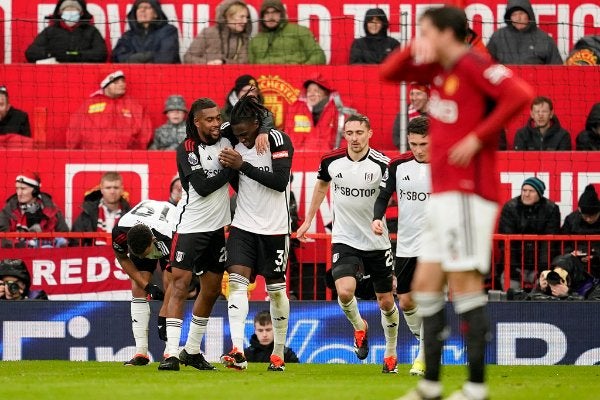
(168, 136)
(509, 45)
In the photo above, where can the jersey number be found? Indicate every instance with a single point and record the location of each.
(389, 258)
(145, 210)
(223, 256)
(280, 261)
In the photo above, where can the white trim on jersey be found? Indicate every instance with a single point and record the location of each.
(277, 137)
(224, 125)
(379, 156)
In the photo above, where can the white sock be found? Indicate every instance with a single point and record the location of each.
(195, 335)
(237, 309)
(421, 353)
(430, 388)
(353, 315)
(280, 315)
(389, 322)
(475, 390)
(414, 321)
(140, 318)
(173, 336)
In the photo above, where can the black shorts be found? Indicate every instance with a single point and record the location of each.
(199, 252)
(405, 270)
(378, 265)
(149, 264)
(265, 255)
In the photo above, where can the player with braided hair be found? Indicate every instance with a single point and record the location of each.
(259, 239)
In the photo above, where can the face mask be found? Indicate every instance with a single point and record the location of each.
(70, 16)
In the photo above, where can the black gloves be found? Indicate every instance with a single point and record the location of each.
(154, 291)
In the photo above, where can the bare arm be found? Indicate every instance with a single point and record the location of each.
(319, 194)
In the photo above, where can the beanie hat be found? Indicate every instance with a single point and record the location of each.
(588, 202)
(110, 78)
(70, 3)
(175, 102)
(243, 81)
(423, 87)
(15, 267)
(536, 184)
(30, 179)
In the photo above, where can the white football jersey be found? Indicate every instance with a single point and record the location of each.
(260, 209)
(160, 216)
(412, 182)
(202, 213)
(354, 188)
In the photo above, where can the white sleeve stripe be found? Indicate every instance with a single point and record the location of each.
(224, 125)
(277, 137)
(381, 158)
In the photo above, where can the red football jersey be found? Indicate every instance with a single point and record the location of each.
(473, 96)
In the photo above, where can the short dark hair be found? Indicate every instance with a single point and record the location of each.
(263, 318)
(541, 100)
(139, 238)
(202, 103)
(418, 125)
(360, 118)
(448, 17)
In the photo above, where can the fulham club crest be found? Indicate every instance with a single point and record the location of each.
(192, 159)
(369, 177)
(179, 256)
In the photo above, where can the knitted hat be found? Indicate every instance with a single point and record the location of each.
(175, 102)
(110, 78)
(70, 3)
(30, 179)
(588, 202)
(243, 81)
(419, 86)
(536, 184)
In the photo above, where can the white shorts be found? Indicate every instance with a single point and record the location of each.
(458, 231)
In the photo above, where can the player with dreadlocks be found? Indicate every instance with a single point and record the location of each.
(199, 240)
(259, 238)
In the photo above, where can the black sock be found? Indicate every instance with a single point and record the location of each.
(475, 327)
(435, 334)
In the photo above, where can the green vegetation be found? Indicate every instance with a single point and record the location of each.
(41, 380)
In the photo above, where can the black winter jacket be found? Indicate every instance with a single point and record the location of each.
(259, 353)
(15, 121)
(373, 49)
(80, 43)
(87, 221)
(530, 138)
(588, 139)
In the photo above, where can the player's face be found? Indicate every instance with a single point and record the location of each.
(208, 122)
(529, 196)
(357, 135)
(4, 106)
(116, 88)
(264, 333)
(24, 193)
(111, 191)
(541, 114)
(519, 19)
(175, 116)
(419, 145)
(246, 132)
(418, 99)
(438, 39)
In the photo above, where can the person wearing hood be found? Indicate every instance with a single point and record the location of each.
(543, 130)
(521, 41)
(70, 37)
(15, 281)
(243, 84)
(227, 41)
(110, 119)
(281, 42)
(150, 39)
(262, 341)
(585, 52)
(312, 120)
(589, 138)
(376, 45)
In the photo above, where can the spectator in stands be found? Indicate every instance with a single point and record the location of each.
(243, 84)
(70, 37)
(12, 120)
(418, 94)
(566, 280)
(227, 41)
(530, 213)
(589, 138)
(521, 41)
(312, 120)
(376, 44)
(102, 207)
(109, 119)
(585, 52)
(175, 190)
(30, 210)
(281, 42)
(15, 282)
(585, 221)
(171, 133)
(150, 38)
(262, 341)
(543, 130)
